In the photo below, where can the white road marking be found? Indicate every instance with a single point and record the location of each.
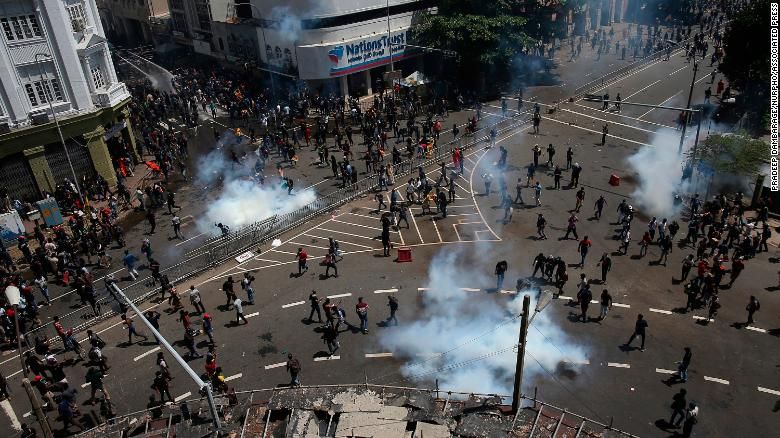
(578, 361)
(234, 377)
(664, 371)
(379, 354)
(716, 380)
(423, 289)
(27, 414)
(456, 231)
(511, 292)
(11, 414)
(193, 237)
(385, 291)
(768, 391)
(339, 295)
(599, 132)
(470, 289)
(340, 241)
(84, 385)
(323, 358)
(609, 121)
(414, 221)
(665, 312)
(564, 297)
(625, 116)
(681, 68)
(624, 78)
(661, 104)
(275, 365)
(435, 227)
(253, 314)
(755, 329)
(309, 245)
(297, 303)
(362, 226)
(627, 306)
(182, 397)
(643, 89)
(594, 302)
(143, 355)
(701, 318)
(618, 365)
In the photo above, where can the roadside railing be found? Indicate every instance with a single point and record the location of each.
(250, 236)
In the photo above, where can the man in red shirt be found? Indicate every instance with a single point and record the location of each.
(302, 256)
(583, 247)
(362, 311)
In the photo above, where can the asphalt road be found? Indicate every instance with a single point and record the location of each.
(733, 375)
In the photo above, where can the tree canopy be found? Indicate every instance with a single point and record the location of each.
(735, 154)
(746, 47)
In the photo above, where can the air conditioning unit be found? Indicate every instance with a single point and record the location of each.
(5, 128)
(39, 118)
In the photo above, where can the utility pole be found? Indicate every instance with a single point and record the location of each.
(43, 420)
(521, 354)
(688, 106)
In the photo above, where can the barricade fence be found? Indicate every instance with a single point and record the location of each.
(241, 240)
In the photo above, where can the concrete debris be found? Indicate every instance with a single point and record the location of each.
(427, 430)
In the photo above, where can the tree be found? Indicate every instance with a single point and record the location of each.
(485, 34)
(746, 61)
(735, 154)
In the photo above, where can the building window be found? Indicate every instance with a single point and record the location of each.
(269, 53)
(278, 53)
(98, 78)
(41, 91)
(78, 18)
(20, 28)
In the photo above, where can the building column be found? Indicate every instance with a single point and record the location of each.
(344, 85)
(128, 134)
(98, 151)
(367, 78)
(41, 171)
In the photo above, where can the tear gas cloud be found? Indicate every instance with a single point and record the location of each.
(468, 328)
(242, 200)
(659, 171)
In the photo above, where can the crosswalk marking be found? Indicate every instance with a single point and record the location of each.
(251, 315)
(385, 291)
(339, 295)
(275, 365)
(755, 329)
(768, 391)
(182, 397)
(716, 380)
(369, 355)
(627, 306)
(143, 355)
(664, 371)
(323, 358)
(665, 312)
(297, 303)
(618, 365)
(234, 377)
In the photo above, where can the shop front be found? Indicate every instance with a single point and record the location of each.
(354, 66)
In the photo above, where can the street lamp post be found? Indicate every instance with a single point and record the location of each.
(13, 295)
(49, 93)
(690, 96)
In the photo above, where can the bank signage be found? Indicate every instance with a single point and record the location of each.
(322, 61)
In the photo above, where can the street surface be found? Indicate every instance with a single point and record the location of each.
(734, 370)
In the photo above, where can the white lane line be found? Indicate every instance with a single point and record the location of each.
(379, 354)
(456, 231)
(681, 68)
(618, 365)
(624, 78)
(716, 380)
(577, 361)
(664, 371)
(701, 79)
(348, 234)
(594, 302)
(27, 414)
(309, 245)
(251, 315)
(564, 297)
(625, 116)
(470, 289)
(323, 358)
(341, 241)
(182, 397)
(374, 218)
(362, 226)
(423, 289)
(385, 291)
(339, 295)
(193, 237)
(626, 306)
(509, 292)
(84, 385)
(234, 377)
(755, 329)
(275, 365)
(414, 221)
(768, 391)
(609, 121)
(11, 414)
(435, 227)
(143, 355)
(599, 132)
(661, 104)
(643, 89)
(701, 318)
(665, 312)
(297, 303)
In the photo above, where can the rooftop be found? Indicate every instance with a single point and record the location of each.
(358, 411)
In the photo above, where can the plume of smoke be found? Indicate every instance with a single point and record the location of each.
(287, 23)
(659, 169)
(241, 201)
(452, 319)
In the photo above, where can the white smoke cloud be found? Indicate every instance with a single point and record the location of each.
(242, 200)
(452, 319)
(287, 23)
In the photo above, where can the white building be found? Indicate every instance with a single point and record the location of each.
(55, 51)
(340, 44)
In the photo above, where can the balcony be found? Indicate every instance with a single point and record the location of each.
(111, 96)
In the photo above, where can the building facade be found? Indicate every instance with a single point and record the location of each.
(130, 21)
(54, 57)
(339, 45)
